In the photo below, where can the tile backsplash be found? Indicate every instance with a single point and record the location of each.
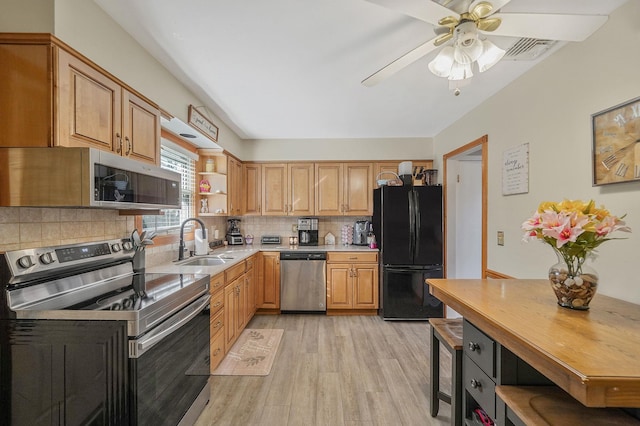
(282, 226)
(26, 227)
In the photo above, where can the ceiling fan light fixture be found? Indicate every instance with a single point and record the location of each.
(441, 65)
(490, 56)
(460, 71)
(468, 52)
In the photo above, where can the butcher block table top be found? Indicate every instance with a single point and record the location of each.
(593, 355)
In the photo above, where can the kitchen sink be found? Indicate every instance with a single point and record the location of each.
(206, 261)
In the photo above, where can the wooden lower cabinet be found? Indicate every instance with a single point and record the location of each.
(250, 290)
(233, 309)
(216, 324)
(239, 299)
(352, 280)
(268, 292)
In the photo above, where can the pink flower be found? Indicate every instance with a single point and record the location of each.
(610, 224)
(559, 227)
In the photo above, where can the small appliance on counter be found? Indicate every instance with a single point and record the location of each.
(360, 231)
(234, 237)
(308, 231)
(270, 239)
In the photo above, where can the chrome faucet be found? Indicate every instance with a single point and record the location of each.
(181, 246)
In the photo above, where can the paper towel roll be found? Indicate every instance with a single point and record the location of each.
(202, 244)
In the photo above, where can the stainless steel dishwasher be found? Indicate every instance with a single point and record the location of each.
(303, 281)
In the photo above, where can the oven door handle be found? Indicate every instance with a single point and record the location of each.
(139, 346)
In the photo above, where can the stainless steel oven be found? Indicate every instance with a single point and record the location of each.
(108, 345)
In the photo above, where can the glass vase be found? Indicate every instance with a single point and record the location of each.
(574, 284)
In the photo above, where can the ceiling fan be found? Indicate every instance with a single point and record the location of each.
(467, 31)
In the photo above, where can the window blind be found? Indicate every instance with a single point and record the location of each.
(172, 218)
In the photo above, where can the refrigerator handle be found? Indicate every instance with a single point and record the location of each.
(416, 207)
(412, 217)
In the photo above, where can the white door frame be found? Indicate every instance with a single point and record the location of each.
(482, 144)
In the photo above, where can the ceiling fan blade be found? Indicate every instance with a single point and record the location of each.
(425, 10)
(489, 24)
(403, 61)
(482, 10)
(449, 21)
(497, 5)
(548, 26)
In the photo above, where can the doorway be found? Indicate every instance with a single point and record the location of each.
(465, 209)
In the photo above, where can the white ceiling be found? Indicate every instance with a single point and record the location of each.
(291, 69)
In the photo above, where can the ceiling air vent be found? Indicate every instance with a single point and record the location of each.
(528, 49)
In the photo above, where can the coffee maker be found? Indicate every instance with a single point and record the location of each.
(234, 237)
(360, 231)
(308, 231)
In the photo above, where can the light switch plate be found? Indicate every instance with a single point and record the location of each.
(500, 238)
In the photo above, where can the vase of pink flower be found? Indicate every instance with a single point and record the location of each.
(574, 229)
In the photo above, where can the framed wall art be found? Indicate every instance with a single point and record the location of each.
(616, 144)
(515, 170)
(202, 123)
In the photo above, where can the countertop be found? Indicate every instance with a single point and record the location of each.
(236, 254)
(592, 355)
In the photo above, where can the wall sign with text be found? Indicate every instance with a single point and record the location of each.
(515, 170)
(202, 123)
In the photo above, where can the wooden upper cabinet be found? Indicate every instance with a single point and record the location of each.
(26, 107)
(252, 189)
(288, 189)
(140, 129)
(358, 192)
(53, 96)
(234, 182)
(301, 189)
(329, 189)
(274, 190)
(89, 107)
(344, 189)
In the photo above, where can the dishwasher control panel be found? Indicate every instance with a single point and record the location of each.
(303, 255)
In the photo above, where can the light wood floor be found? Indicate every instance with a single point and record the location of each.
(335, 370)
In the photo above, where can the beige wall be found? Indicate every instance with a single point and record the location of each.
(26, 16)
(550, 108)
(339, 149)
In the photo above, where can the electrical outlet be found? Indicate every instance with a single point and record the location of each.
(500, 238)
(294, 228)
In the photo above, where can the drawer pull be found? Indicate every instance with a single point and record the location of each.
(475, 384)
(474, 347)
(218, 303)
(216, 352)
(218, 324)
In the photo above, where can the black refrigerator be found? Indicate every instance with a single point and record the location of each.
(407, 223)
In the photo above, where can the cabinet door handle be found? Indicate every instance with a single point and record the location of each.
(129, 146)
(473, 347)
(118, 143)
(476, 384)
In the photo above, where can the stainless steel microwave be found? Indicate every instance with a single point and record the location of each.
(83, 177)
